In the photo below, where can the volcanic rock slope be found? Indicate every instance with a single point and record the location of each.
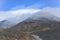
(48, 28)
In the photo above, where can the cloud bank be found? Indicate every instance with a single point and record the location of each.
(9, 14)
(54, 11)
(19, 12)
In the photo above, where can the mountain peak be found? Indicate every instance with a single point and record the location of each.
(40, 15)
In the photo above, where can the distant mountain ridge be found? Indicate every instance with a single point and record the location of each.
(45, 17)
(45, 27)
(42, 15)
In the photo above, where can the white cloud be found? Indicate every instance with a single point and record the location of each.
(9, 14)
(20, 10)
(54, 11)
(13, 13)
(2, 18)
(25, 11)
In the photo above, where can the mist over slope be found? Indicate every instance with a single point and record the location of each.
(14, 18)
(21, 15)
(44, 15)
(43, 24)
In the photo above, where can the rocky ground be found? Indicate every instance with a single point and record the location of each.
(47, 31)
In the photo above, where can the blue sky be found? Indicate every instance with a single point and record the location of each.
(11, 8)
(6, 5)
